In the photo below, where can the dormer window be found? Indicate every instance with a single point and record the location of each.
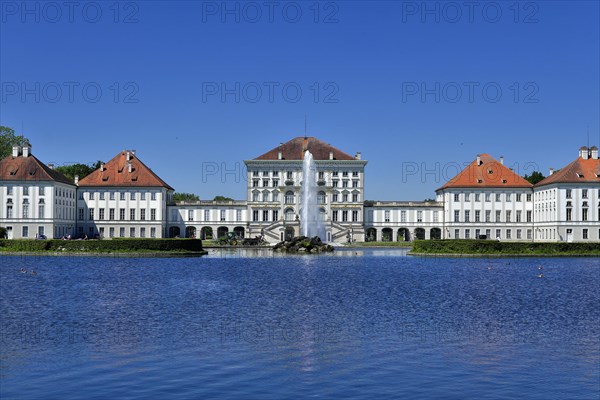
(490, 171)
(479, 180)
(504, 181)
(579, 175)
(105, 178)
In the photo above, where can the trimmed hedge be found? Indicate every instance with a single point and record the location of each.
(100, 246)
(495, 247)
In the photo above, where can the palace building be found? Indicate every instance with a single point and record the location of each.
(125, 198)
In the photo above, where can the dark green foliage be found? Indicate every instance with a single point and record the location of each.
(8, 139)
(534, 178)
(222, 198)
(3, 233)
(82, 170)
(492, 247)
(115, 245)
(190, 197)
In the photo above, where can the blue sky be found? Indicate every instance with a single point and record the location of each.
(192, 86)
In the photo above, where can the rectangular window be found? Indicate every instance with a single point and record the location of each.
(25, 190)
(529, 216)
(498, 216)
(498, 198)
(335, 198)
(122, 196)
(467, 234)
(111, 232)
(9, 190)
(25, 210)
(508, 215)
(354, 216)
(519, 216)
(345, 184)
(584, 214)
(121, 232)
(143, 196)
(222, 215)
(91, 214)
(101, 214)
(419, 216)
(42, 190)
(142, 214)
(275, 195)
(132, 232)
(457, 234)
(335, 173)
(584, 193)
(345, 173)
(190, 214)
(121, 214)
(152, 232)
(498, 234)
(25, 231)
(569, 214)
(488, 233)
(467, 196)
(153, 214)
(131, 196)
(289, 175)
(80, 195)
(456, 216)
(111, 214)
(265, 183)
(508, 234)
(275, 215)
(80, 212)
(9, 211)
(528, 198)
(255, 215)
(238, 215)
(477, 197)
(585, 233)
(477, 216)
(153, 196)
(101, 195)
(569, 194)
(112, 197)
(334, 216)
(387, 216)
(402, 216)
(456, 197)
(529, 232)
(344, 216)
(355, 173)
(477, 233)
(275, 182)
(518, 196)
(206, 215)
(487, 197)
(488, 216)
(335, 183)
(345, 198)
(321, 175)
(467, 215)
(132, 214)
(143, 232)
(436, 216)
(41, 211)
(355, 198)
(519, 236)
(265, 215)
(354, 184)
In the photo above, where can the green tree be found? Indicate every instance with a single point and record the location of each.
(534, 178)
(429, 200)
(82, 170)
(222, 198)
(8, 139)
(185, 197)
(3, 233)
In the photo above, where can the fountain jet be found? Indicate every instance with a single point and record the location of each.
(311, 222)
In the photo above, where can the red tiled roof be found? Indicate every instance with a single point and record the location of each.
(579, 171)
(116, 173)
(29, 169)
(295, 148)
(490, 173)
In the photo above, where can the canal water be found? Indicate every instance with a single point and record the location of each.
(359, 324)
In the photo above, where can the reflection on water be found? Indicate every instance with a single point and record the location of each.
(360, 323)
(228, 252)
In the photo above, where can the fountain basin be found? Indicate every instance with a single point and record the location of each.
(303, 244)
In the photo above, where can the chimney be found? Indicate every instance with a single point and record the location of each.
(16, 150)
(594, 152)
(129, 167)
(478, 159)
(551, 172)
(133, 152)
(357, 156)
(502, 160)
(50, 165)
(583, 152)
(331, 155)
(26, 150)
(128, 155)
(280, 155)
(102, 167)
(76, 180)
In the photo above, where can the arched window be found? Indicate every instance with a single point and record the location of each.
(322, 198)
(255, 196)
(275, 195)
(265, 196)
(289, 214)
(289, 197)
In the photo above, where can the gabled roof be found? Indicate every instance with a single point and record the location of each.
(579, 171)
(116, 173)
(295, 148)
(29, 169)
(488, 173)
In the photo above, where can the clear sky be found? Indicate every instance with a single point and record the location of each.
(418, 88)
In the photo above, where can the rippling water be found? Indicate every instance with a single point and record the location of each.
(363, 324)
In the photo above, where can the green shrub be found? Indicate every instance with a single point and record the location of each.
(495, 247)
(115, 245)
